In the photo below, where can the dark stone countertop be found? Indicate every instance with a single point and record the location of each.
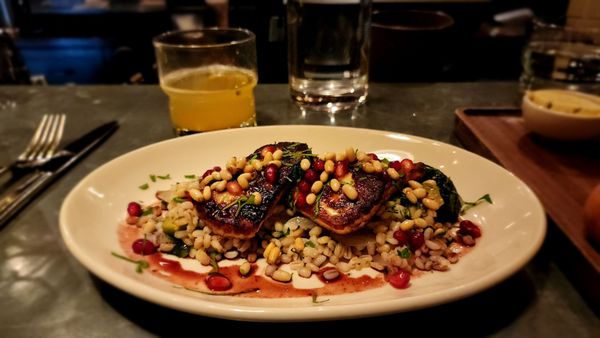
(45, 292)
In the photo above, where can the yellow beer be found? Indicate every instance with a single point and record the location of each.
(210, 97)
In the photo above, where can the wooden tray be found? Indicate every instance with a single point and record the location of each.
(562, 174)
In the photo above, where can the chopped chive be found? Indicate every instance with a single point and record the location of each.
(144, 186)
(147, 212)
(310, 244)
(164, 177)
(178, 199)
(153, 178)
(140, 264)
(191, 176)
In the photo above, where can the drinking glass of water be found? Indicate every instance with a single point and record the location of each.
(328, 50)
(559, 57)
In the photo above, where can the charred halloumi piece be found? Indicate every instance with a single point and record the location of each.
(235, 210)
(342, 212)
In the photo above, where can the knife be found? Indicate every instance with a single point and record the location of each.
(31, 183)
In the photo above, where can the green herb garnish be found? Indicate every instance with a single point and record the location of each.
(219, 293)
(178, 199)
(213, 262)
(318, 202)
(153, 178)
(310, 244)
(315, 301)
(164, 177)
(241, 202)
(404, 253)
(140, 264)
(144, 186)
(468, 205)
(191, 176)
(147, 212)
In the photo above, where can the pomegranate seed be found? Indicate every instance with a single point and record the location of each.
(401, 237)
(301, 200)
(311, 175)
(218, 282)
(134, 209)
(234, 188)
(143, 247)
(319, 165)
(406, 165)
(396, 165)
(304, 186)
(341, 169)
(373, 157)
(267, 149)
(417, 172)
(399, 279)
(469, 228)
(271, 173)
(416, 240)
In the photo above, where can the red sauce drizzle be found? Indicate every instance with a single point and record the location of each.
(251, 285)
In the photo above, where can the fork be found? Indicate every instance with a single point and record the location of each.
(43, 144)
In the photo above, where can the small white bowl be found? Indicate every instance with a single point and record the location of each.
(560, 125)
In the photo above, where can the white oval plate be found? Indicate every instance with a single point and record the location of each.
(513, 227)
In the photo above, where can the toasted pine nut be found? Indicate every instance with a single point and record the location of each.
(350, 192)
(378, 166)
(305, 164)
(340, 156)
(330, 156)
(256, 164)
(430, 203)
(268, 249)
(268, 157)
(276, 162)
(414, 184)
(329, 166)
(409, 194)
(420, 222)
(206, 193)
(335, 185)
(273, 255)
(311, 198)
(226, 175)
(243, 181)
(316, 187)
(407, 224)
(278, 154)
(248, 168)
(420, 192)
(196, 195)
(361, 155)
(350, 154)
(393, 173)
(324, 176)
(257, 198)
(368, 167)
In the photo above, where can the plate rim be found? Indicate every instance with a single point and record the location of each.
(292, 314)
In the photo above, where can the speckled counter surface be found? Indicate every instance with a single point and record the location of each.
(45, 292)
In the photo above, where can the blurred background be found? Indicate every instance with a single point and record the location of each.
(109, 41)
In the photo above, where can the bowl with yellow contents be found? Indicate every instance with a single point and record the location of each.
(562, 114)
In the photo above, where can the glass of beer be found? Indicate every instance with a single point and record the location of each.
(209, 76)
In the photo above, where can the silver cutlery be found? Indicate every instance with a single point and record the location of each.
(31, 182)
(43, 144)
